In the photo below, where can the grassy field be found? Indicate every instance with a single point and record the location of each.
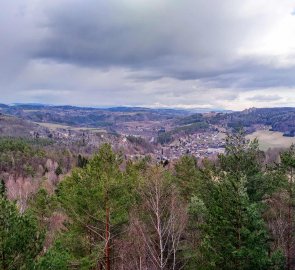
(271, 139)
(57, 126)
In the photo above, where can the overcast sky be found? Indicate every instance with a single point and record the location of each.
(156, 53)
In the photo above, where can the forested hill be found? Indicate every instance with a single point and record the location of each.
(104, 211)
(87, 116)
(279, 119)
(16, 127)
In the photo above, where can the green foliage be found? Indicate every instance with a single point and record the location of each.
(29, 170)
(86, 195)
(191, 128)
(243, 158)
(195, 118)
(58, 170)
(164, 137)
(2, 188)
(286, 170)
(288, 158)
(25, 146)
(20, 239)
(18, 155)
(228, 210)
(187, 176)
(42, 205)
(82, 161)
(235, 236)
(12, 144)
(226, 200)
(57, 258)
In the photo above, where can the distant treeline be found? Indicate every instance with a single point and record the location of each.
(88, 117)
(279, 119)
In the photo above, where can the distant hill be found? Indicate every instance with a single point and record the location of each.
(87, 116)
(279, 119)
(11, 126)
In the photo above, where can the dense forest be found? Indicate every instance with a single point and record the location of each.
(60, 210)
(87, 116)
(278, 119)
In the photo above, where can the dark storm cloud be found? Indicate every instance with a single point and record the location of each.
(187, 41)
(157, 51)
(252, 75)
(102, 34)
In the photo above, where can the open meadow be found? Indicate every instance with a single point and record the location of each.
(54, 126)
(271, 139)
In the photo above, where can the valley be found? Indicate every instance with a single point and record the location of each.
(163, 134)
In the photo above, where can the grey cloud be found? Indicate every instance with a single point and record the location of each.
(102, 33)
(149, 51)
(191, 40)
(265, 98)
(250, 74)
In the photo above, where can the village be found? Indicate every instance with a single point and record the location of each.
(203, 144)
(198, 144)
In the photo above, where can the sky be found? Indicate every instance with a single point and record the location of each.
(229, 54)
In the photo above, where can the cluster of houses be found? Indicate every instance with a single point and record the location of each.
(199, 145)
(204, 144)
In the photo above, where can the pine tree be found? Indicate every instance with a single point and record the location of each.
(187, 176)
(243, 158)
(20, 239)
(234, 234)
(96, 199)
(288, 167)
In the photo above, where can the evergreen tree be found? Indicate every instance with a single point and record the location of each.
(2, 188)
(233, 232)
(82, 161)
(243, 158)
(287, 166)
(20, 239)
(96, 199)
(57, 258)
(187, 176)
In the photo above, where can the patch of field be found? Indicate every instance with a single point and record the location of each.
(28, 111)
(271, 139)
(58, 126)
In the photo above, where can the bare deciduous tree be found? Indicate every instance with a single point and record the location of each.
(20, 190)
(161, 222)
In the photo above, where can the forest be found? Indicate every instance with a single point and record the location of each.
(61, 210)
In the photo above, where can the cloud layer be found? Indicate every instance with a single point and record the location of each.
(167, 53)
